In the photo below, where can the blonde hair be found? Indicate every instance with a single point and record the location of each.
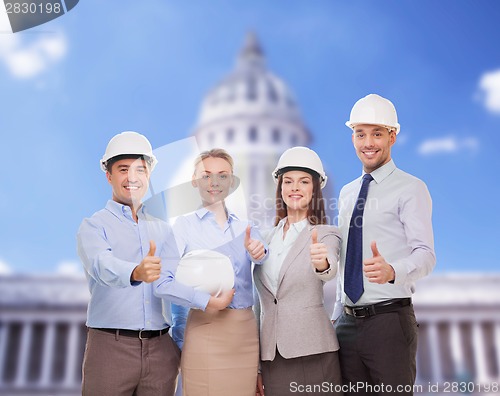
(214, 153)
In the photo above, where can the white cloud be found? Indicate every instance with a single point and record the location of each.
(28, 59)
(448, 145)
(69, 268)
(4, 268)
(489, 86)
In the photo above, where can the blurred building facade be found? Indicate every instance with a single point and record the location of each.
(252, 114)
(42, 332)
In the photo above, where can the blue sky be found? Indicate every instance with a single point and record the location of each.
(69, 85)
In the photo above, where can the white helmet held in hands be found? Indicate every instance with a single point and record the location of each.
(300, 158)
(206, 270)
(374, 110)
(129, 143)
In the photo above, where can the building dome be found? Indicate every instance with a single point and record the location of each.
(253, 115)
(250, 90)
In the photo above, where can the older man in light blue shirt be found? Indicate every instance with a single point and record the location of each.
(376, 325)
(122, 249)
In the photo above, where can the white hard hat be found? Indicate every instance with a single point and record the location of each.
(206, 270)
(374, 110)
(300, 158)
(129, 142)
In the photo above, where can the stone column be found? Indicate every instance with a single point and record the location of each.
(72, 354)
(457, 352)
(24, 354)
(497, 347)
(479, 353)
(4, 338)
(433, 336)
(48, 353)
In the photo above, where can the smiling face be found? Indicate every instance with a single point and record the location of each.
(373, 145)
(213, 177)
(129, 180)
(297, 192)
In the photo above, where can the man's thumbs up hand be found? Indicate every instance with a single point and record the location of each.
(150, 267)
(376, 269)
(375, 251)
(152, 248)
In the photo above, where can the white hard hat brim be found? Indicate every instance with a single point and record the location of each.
(351, 125)
(150, 159)
(280, 171)
(300, 158)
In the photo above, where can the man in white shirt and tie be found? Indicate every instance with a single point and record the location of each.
(387, 245)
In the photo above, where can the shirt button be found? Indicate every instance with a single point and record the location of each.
(275, 301)
(147, 301)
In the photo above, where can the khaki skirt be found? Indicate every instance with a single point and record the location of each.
(220, 354)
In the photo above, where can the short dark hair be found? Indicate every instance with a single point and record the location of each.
(112, 160)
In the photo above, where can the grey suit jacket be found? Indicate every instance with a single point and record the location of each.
(294, 320)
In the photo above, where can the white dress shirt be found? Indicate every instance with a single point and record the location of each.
(397, 216)
(278, 250)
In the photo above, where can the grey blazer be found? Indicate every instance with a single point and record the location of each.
(294, 320)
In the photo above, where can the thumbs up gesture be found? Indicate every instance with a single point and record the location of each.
(254, 247)
(149, 269)
(318, 252)
(376, 269)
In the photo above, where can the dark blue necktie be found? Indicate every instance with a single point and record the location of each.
(353, 273)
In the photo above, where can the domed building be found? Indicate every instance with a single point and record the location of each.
(254, 116)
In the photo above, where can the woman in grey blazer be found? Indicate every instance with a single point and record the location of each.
(298, 345)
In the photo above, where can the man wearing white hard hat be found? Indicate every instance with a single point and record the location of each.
(122, 248)
(387, 245)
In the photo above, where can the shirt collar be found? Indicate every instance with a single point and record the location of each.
(281, 223)
(381, 173)
(120, 210)
(298, 226)
(202, 212)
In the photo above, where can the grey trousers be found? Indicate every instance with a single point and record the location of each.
(128, 366)
(378, 350)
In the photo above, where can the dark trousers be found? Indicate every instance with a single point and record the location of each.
(378, 353)
(126, 366)
(306, 375)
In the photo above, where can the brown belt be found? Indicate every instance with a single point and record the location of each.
(364, 311)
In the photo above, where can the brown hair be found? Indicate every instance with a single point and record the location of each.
(316, 208)
(116, 158)
(214, 153)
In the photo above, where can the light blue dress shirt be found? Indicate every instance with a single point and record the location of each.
(199, 230)
(398, 216)
(110, 245)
